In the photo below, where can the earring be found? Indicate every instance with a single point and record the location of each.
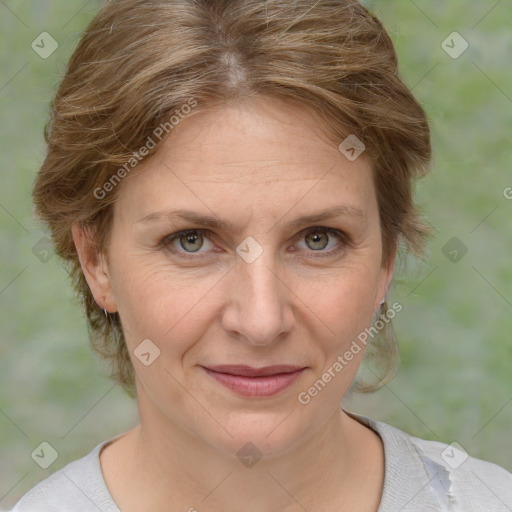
(376, 314)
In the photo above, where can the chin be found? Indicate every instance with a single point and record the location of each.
(269, 433)
(257, 435)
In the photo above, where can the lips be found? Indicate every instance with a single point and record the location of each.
(255, 382)
(249, 371)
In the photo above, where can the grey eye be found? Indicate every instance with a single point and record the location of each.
(191, 242)
(317, 240)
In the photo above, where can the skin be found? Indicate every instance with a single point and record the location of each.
(259, 166)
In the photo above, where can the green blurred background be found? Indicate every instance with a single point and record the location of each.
(455, 379)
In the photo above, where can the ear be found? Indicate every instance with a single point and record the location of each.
(95, 268)
(385, 279)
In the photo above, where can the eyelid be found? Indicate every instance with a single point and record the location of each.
(168, 239)
(341, 235)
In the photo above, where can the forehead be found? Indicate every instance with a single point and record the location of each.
(261, 152)
(263, 133)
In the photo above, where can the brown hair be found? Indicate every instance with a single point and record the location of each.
(140, 61)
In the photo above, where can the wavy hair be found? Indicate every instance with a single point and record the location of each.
(140, 61)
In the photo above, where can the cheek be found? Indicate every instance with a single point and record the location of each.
(174, 308)
(160, 305)
(342, 301)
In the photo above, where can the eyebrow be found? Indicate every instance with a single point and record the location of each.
(217, 223)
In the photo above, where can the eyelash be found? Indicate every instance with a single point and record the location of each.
(167, 241)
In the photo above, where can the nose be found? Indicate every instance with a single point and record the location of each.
(259, 308)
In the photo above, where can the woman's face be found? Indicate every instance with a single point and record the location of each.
(266, 276)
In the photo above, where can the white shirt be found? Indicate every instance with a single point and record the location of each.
(420, 476)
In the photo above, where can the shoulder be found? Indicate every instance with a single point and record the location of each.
(77, 486)
(423, 475)
(476, 484)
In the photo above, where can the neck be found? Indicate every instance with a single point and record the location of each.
(167, 468)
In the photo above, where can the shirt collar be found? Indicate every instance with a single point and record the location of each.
(412, 481)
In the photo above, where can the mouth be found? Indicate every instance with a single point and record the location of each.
(255, 382)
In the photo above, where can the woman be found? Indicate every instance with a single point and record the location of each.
(230, 182)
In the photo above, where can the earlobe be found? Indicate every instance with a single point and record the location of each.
(95, 268)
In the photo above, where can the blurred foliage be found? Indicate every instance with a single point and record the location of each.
(455, 379)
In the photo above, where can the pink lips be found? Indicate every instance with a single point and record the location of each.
(255, 382)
